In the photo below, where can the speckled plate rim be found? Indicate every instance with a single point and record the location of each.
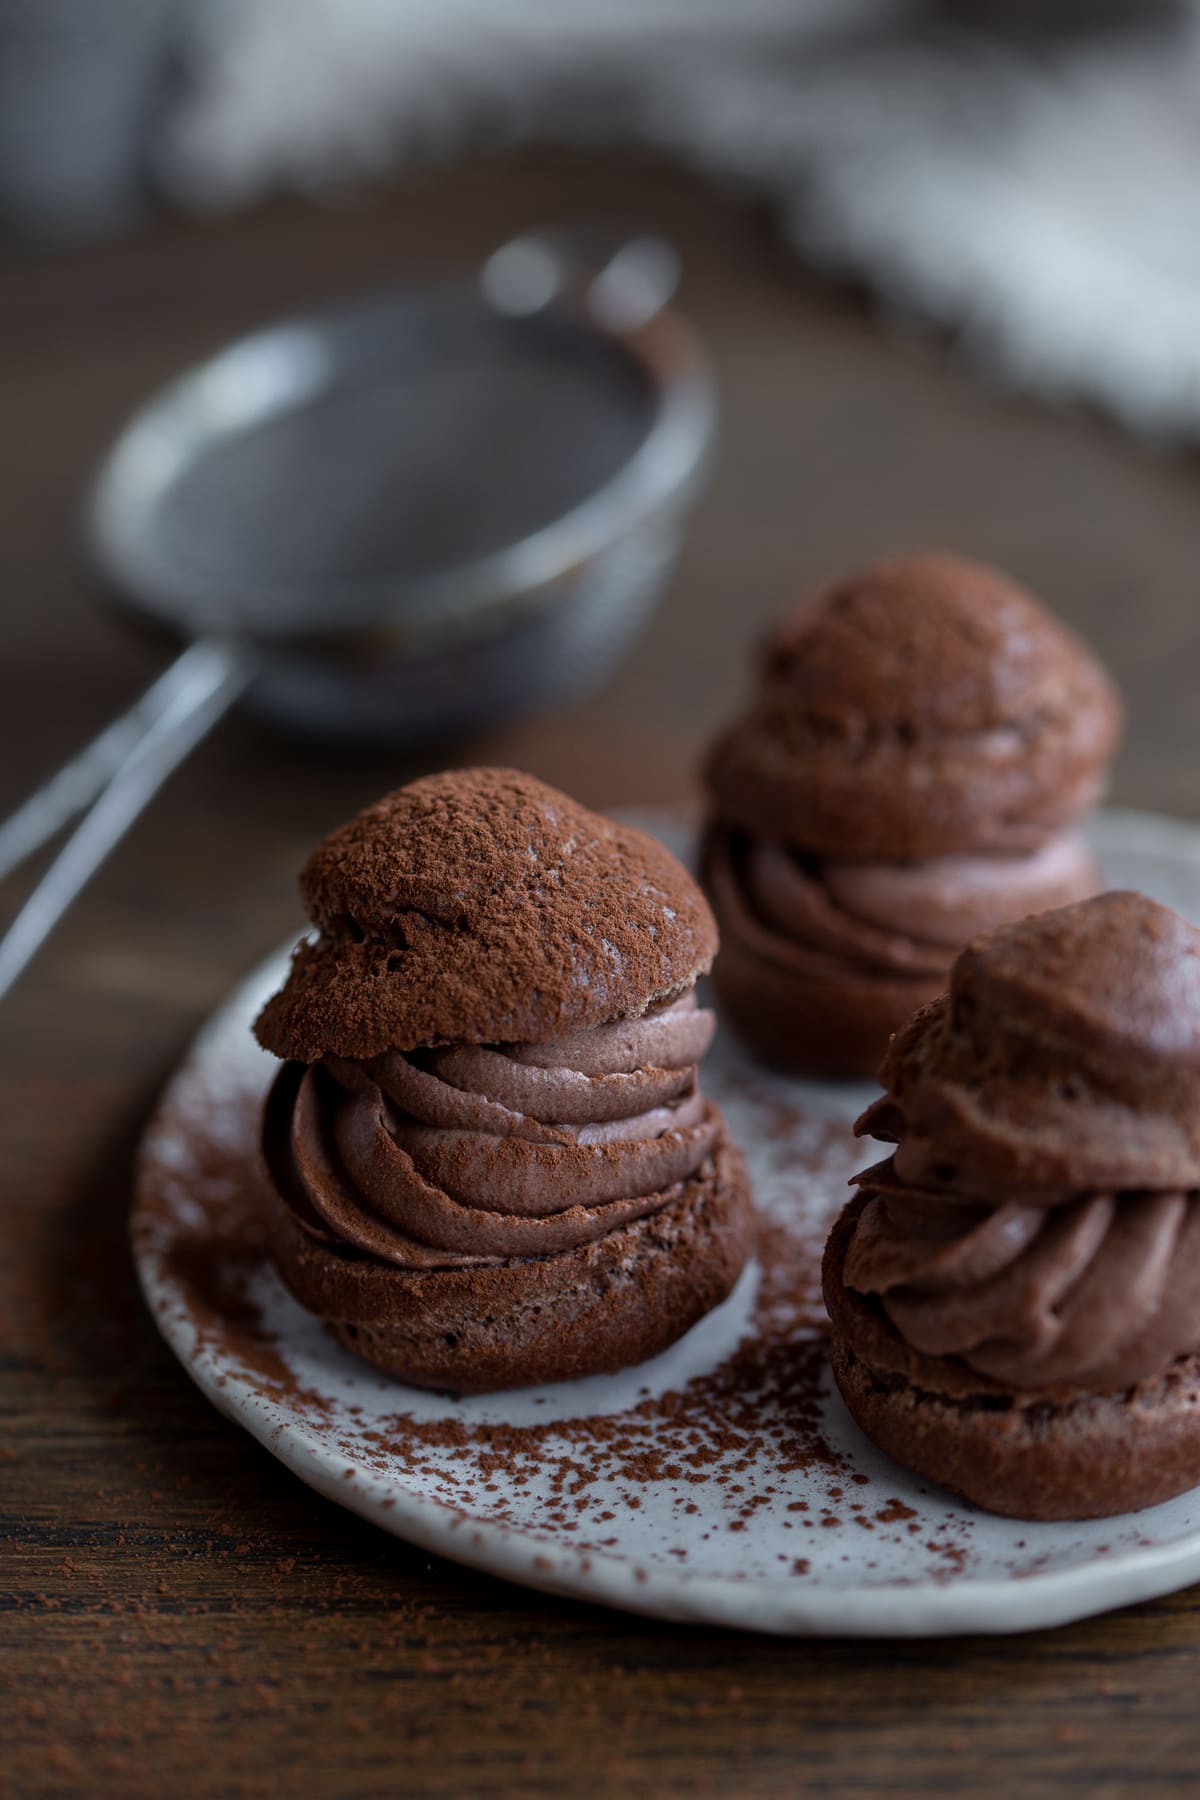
(878, 1609)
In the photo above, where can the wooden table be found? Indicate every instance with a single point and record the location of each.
(182, 1616)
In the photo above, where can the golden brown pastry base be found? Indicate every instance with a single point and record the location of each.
(590, 1311)
(1029, 1456)
(833, 1027)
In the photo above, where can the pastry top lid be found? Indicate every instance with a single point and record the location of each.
(1066, 1053)
(1114, 980)
(919, 707)
(481, 906)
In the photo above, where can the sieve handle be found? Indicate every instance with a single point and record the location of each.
(116, 776)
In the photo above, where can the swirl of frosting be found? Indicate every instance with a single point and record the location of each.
(1040, 1215)
(904, 919)
(466, 1155)
(1097, 1291)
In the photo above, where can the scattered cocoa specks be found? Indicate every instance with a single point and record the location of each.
(952, 1555)
(895, 1512)
(725, 1450)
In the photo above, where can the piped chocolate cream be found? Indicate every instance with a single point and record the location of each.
(464, 1155)
(1039, 1217)
(902, 918)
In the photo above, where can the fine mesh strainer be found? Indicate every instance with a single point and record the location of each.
(400, 518)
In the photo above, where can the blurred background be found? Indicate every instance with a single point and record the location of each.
(941, 260)
(1023, 174)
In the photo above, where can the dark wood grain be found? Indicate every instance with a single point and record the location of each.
(183, 1617)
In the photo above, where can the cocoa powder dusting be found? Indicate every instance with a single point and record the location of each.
(739, 1436)
(481, 906)
(728, 1469)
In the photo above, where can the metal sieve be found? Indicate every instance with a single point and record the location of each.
(404, 517)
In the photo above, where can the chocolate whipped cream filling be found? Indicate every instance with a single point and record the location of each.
(1040, 1291)
(900, 918)
(468, 1155)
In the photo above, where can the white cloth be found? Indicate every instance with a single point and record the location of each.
(1033, 188)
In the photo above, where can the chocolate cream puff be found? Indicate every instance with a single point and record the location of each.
(491, 1163)
(1015, 1291)
(923, 744)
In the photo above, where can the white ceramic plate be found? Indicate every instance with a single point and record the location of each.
(722, 1482)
